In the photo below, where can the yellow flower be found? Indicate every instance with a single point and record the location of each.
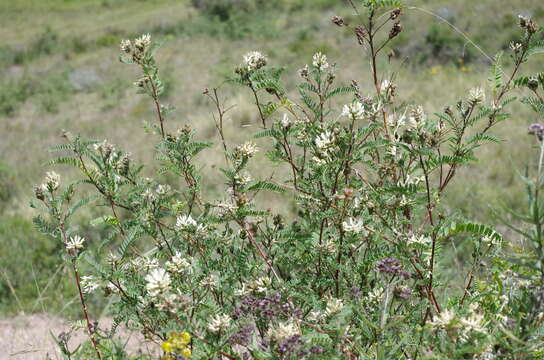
(185, 337)
(186, 353)
(167, 346)
(167, 357)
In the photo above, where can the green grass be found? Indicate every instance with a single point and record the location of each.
(43, 41)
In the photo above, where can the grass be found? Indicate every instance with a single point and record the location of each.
(44, 41)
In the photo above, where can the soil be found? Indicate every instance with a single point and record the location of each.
(28, 337)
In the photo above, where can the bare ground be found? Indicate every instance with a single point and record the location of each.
(28, 337)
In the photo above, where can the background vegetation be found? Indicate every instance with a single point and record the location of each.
(58, 71)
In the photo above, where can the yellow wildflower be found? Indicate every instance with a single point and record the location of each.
(186, 353)
(167, 346)
(185, 337)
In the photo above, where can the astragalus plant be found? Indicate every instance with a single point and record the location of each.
(353, 272)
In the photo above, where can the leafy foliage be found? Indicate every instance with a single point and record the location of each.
(356, 273)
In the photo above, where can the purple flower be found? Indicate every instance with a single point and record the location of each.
(290, 344)
(355, 292)
(243, 336)
(317, 350)
(389, 266)
(403, 293)
(537, 130)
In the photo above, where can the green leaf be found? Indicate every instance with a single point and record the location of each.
(339, 90)
(66, 161)
(497, 72)
(104, 220)
(476, 229)
(263, 185)
(535, 47)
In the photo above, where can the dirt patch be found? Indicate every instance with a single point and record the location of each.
(28, 337)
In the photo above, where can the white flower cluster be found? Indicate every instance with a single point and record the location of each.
(52, 180)
(126, 46)
(493, 240)
(158, 282)
(226, 207)
(375, 295)
(163, 189)
(418, 240)
(142, 43)
(466, 326)
(173, 302)
(148, 263)
(247, 150)
(476, 96)
(320, 62)
(219, 322)
(75, 243)
(283, 331)
(254, 60)
(242, 178)
(387, 86)
(353, 225)
(185, 222)
(210, 281)
(89, 284)
(285, 121)
(178, 264)
(327, 246)
(259, 285)
(410, 180)
(417, 117)
(334, 306)
(324, 140)
(355, 111)
(136, 49)
(443, 320)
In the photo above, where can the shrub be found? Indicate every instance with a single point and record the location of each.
(355, 272)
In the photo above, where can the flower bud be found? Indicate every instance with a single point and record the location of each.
(532, 84)
(395, 13)
(395, 30)
(360, 32)
(338, 20)
(39, 191)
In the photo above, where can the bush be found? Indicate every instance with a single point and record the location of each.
(357, 271)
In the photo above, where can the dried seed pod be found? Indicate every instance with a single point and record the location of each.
(360, 32)
(395, 13)
(338, 20)
(395, 30)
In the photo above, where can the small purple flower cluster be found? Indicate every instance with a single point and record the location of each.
(295, 344)
(403, 293)
(392, 267)
(243, 336)
(356, 292)
(290, 345)
(269, 307)
(272, 307)
(537, 130)
(389, 266)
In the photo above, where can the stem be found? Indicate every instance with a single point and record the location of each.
(85, 312)
(258, 105)
(81, 297)
(155, 97)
